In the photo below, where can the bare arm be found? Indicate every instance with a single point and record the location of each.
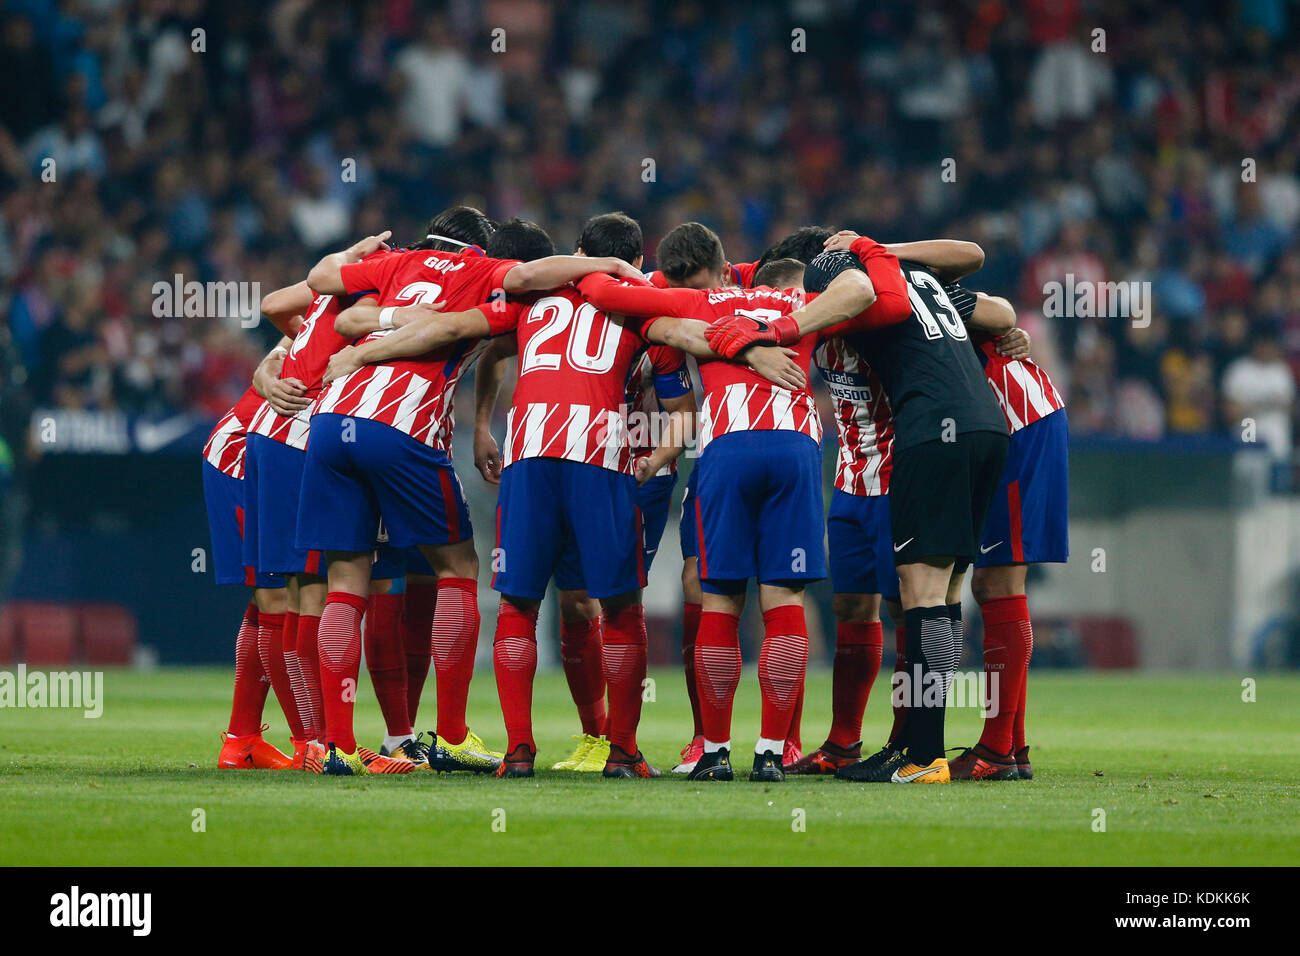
(950, 259)
(487, 386)
(285, 305)
(555, 271)
(993, 315)
(413, 339)
(775, 364)
(325, 276)
(286, 396)
(363, 316)
(681, 429)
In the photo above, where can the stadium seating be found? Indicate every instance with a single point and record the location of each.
(44, 634)
(108, 633)
(8, 636)
(47, 633)
(1109, 643)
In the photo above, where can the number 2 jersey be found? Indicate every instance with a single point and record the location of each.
(415, 395)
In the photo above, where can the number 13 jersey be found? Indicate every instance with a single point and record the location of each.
(934, 381)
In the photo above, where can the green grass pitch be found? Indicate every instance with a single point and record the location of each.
(1186, 772)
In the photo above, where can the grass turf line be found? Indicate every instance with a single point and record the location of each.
(1187, 773)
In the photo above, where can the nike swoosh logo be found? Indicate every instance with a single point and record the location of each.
(909, 777)
(984, 550)
(900, 547)
(153, 436)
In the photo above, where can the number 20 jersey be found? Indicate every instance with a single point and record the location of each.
(574, 363)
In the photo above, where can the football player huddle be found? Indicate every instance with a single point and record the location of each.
(331, 491)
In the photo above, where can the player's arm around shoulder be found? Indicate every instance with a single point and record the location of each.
(416, 338)
(949, 259)
(993, 315)
(285, 307)
(552, 272)
(326, 276)
(777, 364)
(365, 316)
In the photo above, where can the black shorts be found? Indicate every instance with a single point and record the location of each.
(939, 496)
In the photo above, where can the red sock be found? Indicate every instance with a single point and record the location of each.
(691, 627)
(580, 652)
(781, 666)
(309, 661)
(795, 734)
(270, 648)
(455, 641)
(251, 683)
(1018, 729)
(1008, 644)
(896, 701)
(717, 672)
(624, 660)
(293, 668)
(417, 624)
(514, 657)
(858, 647)
(386, 660)
(339, 644)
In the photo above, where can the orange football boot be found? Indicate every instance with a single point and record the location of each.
(249, 752)
(299, 752)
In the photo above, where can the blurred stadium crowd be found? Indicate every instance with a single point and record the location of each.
(290, 127)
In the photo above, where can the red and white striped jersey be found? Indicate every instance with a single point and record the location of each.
(736, 398)
(574, 364)
(862, 418)
(415, 395)
(1023, 389)
(309, 355)
(224, 449)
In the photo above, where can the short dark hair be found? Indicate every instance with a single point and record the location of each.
(463, 224)
(804, 244)
(520, 239)
(825, 267)
(780, 274)
(612, 234)
(686, 249)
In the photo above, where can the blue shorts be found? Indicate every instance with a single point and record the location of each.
(861, 547)
(224, 497)
(686, 528)
(759, 510)
(392, 563)
(655, 498)
(1029, 519)
(360, 473)
(278, 487)
(575, 522)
